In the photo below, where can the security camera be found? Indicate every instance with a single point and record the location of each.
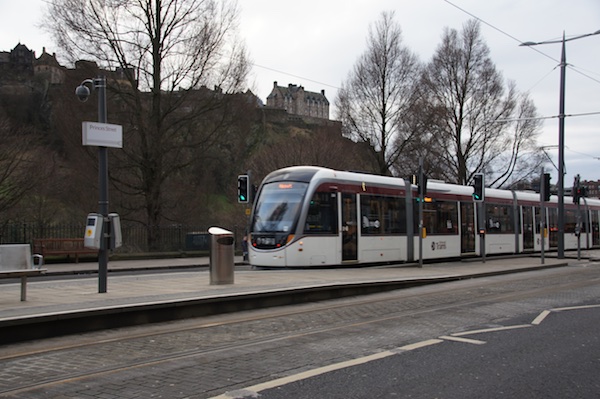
(83, 93)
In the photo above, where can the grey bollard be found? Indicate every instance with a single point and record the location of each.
(221, 256)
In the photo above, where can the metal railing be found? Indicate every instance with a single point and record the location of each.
(135, 236)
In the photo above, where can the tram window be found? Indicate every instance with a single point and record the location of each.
(322, 214)
(500, 219)
(538, 219)
(277, 207)
(528, 224)
(439, 217)
(382, 215)
(571, 221)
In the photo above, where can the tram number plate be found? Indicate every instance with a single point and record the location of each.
(265, 240)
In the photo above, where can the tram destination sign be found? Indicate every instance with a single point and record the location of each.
(102, 134)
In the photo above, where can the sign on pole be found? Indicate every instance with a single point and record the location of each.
(102, 134)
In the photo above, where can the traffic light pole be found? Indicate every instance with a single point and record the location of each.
(479, 199)
(481, 223)
(543, 196)
(421, 199)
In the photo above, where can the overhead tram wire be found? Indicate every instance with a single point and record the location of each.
(499, 30)
(541, 117)
(296, 76)
(570, 66)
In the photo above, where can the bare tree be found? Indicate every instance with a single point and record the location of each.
(320, 146)
(167, 54)
(23, 164)
(517, 158)
(479, 126)
(373, 102)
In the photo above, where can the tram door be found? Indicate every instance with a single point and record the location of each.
(349, 228)
(528, 228)
(595, 229)
(467, 227)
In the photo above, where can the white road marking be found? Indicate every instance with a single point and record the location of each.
(253, 390)
(488, 330)
(537, 321)
(464, 340)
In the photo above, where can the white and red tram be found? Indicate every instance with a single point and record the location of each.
(309, 216)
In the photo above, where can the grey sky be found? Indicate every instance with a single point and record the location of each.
(315, 43)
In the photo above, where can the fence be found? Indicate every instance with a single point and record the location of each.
(135, 237)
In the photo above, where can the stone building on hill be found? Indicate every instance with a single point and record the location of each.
(297, 101)
(17, 61)
(48, 66)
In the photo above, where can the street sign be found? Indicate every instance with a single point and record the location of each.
(102, 134)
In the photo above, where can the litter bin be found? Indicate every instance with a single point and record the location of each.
(221, 256)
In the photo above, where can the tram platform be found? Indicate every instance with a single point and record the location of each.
(171, 289)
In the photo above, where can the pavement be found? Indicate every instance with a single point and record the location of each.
(170, 289)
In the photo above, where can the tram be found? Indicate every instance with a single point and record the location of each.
(306, 216)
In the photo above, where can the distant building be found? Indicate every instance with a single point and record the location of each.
(18, 60)
(48, 66)
(297, 101)
(592, 188)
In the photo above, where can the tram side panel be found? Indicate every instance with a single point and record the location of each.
(312, 250)
(382, 249)
(439, 246)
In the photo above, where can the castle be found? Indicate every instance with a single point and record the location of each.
(21, 62)
(297, 101)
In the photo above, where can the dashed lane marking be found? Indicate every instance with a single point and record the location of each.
(463, 340)
(489, 330)
(538, 320)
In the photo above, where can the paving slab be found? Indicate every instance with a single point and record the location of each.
(186, 281)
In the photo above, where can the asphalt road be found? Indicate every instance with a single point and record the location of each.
(560, 358)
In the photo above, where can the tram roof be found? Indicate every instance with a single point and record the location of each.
(308, 173)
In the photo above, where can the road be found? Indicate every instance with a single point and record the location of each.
(560, 358)
(420, 342)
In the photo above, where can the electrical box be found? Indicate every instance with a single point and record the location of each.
(116, 238)
(93, 231)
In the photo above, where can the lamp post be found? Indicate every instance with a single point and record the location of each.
(561, 136)
(83, 93)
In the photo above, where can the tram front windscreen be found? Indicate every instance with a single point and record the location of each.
(278, 207)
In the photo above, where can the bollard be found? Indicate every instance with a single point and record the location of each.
(221, 256)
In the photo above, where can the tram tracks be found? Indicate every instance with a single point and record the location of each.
(265, 328)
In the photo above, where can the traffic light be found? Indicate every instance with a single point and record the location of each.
(478, 187)
(243, 189)
(546, 183)
(423, 186)
(579, 191)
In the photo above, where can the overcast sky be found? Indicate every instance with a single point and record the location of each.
(315, 43)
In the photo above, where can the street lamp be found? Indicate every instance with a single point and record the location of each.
(561, 136)
(83, 93)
